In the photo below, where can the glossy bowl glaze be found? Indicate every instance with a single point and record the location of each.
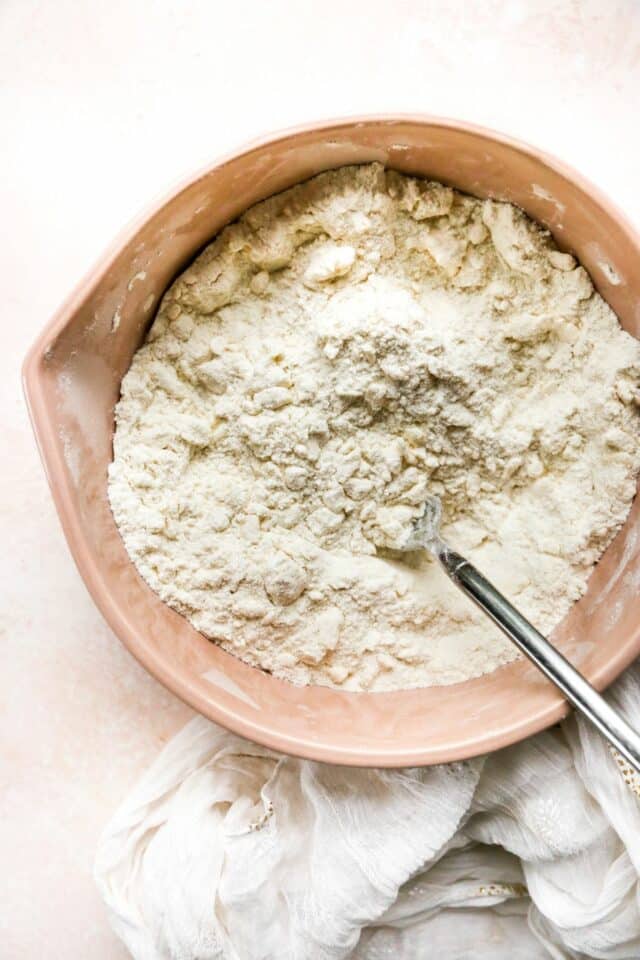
(72, 378)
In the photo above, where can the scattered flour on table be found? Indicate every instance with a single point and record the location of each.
(343, 348)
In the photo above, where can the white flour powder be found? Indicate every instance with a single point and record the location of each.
(344, 347)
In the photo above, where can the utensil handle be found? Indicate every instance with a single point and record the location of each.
(553, 664)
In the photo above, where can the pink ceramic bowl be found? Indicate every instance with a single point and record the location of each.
(72, 377)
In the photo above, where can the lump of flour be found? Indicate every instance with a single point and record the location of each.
(342, 349)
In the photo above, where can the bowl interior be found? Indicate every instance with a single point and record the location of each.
(72, 378)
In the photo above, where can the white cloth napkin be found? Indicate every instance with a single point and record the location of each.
(228, 851)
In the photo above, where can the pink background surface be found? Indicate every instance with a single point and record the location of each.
(101, 106)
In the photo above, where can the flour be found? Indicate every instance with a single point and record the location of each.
(343, 349)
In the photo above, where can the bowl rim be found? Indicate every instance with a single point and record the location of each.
(555, 706)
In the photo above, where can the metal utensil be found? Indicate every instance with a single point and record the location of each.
(578, 691)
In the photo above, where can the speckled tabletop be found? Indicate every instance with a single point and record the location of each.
(102, 105)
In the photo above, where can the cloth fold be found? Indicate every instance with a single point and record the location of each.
(226, 850)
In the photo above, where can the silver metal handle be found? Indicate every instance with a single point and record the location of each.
(557, 668)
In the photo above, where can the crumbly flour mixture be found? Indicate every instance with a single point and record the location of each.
(345, 347)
